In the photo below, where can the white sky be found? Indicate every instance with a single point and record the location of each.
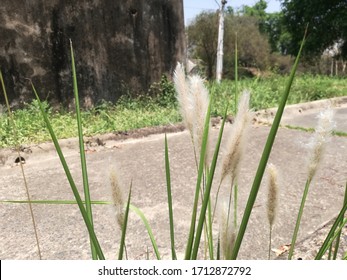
(194, 7)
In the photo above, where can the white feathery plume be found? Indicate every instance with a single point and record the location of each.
(193, 100)
(226, 231)
(272, 202)
(199, 101)
(320, 138)
(117, 197)
(183, 97)
(237, 139)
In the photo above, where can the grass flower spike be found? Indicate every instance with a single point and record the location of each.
(117, 197)
(272, 195)
(182, 90)
(321, 137)
(272, 202)
(198, 95)
(226, 231)
(193, 100)
(231, 160)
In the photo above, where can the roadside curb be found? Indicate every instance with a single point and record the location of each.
(267, 115)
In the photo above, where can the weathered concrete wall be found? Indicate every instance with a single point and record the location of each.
(118, 44)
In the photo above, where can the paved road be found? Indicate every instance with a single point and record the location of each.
(61, 230)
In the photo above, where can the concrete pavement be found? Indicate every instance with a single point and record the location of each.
(62, 232)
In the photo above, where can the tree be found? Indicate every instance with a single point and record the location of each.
(327, 21)
(253, 47)
(270, 24)
(279, 38)
(258, 11)
(202, 39)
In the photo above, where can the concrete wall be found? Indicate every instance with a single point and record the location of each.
(118, 45)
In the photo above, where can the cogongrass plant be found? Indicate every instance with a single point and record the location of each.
(229, 238)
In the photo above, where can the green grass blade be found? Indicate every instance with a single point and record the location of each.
(81, 146)
(331, 233)
(210, 231)
(236, 74)
(124, 227)
(235, 205)
(264, 158)
(337, 245)
(70, 179)
(207, 192)
(169, 199)
(336, 234)
(198, 183)
(149, 230)
(15, 136)
(209, 224)
(298, 220)
(330, 251)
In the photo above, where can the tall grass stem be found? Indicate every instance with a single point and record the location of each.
(188, 254)
(265, 156)
(209, 182)
(148, 228)
(81, 146)
(337, 244)
(124, 226)
(14, 129)
(169, 199)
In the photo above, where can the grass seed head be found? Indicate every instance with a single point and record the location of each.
(199, 100)
(272, 202)
(227, 231)
(117, 197)
(237, 139)
(182, 90)
(193, 100)
(320, 138)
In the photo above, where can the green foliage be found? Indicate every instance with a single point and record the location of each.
(327, 20)
(258, 11)
(163, 93)
(131, 113)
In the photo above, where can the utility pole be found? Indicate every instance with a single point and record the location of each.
(219, 67)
